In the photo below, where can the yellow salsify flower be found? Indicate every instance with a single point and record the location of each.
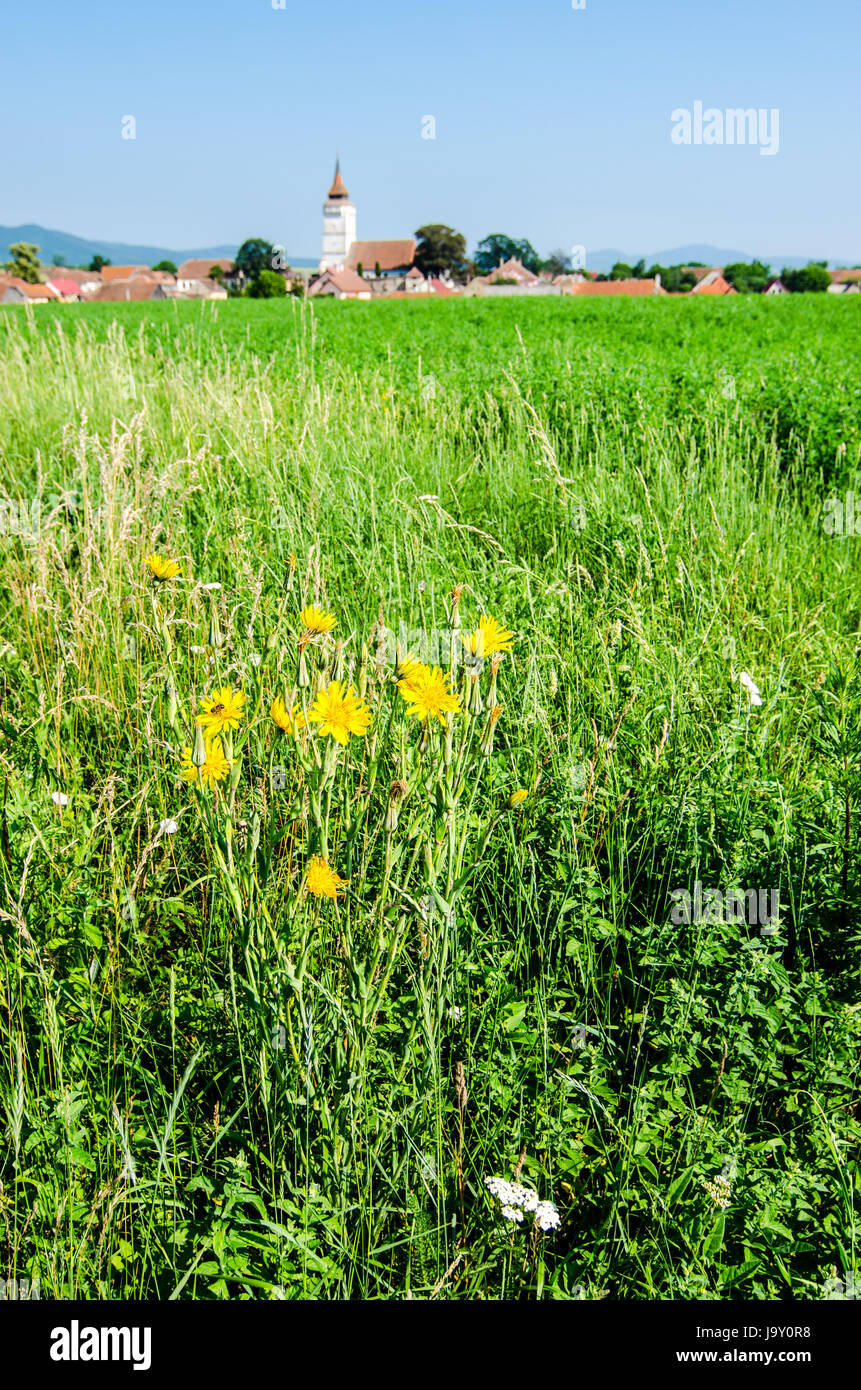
(161, 568)
(222, 709)
(322, 881)
(339, 712)
(489, 637)
(517, 798)
(290, 723)
(313, 619)
(427, 692)
(212, 770)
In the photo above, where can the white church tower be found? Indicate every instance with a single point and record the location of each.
(339, 224)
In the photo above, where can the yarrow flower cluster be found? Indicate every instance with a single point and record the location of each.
(515, 1200)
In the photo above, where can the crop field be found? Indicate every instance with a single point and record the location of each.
(430, 744)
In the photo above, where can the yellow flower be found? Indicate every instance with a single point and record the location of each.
(221, 710)
(322, 881)
(162, 568)
(489, 637)
(290, 723)
(313, 619)
(427, 692)
(517, 798)
(340, 712)
(213, 769)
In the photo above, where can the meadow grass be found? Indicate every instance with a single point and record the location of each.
(215, 1086)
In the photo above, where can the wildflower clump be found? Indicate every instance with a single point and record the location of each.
(719, 1191)
(516, 1201)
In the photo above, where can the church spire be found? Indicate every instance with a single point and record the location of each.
(339, 188)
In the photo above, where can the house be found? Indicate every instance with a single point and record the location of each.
(713, 283)
(441, 289)
(775, 286)
(845, 277)
(86, 280)
(16, 291)
(699, 272)
(121, 272)
(11, 290)
(68, 290)
(197, 269)
(512, 270)
(132, 291)
(382, 259)
(205, 288)
(341, 284)
(638, 288)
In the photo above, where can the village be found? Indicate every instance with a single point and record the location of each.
(355, 269)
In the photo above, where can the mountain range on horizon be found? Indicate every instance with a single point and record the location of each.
(80, 250)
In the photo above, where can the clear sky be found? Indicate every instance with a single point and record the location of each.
(551, 123)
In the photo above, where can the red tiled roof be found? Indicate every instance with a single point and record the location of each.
(71, 272)
(390, 255)
(65, 286)
(120, 272)
(347, 281)
(198, 267)
(443, 290)
(839, 277)
(717, 286)
(139, 288)
(515, 270)
(635, 287)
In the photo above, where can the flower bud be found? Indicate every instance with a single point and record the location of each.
(198, 753)
(171, 706)
(363, 673)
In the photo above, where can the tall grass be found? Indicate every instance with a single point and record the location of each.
(634, 490)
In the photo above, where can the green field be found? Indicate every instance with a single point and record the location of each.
(215, 1084)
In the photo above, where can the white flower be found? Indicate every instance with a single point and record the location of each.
(168, 827)
(428, 497)
(751, 687)
(210, 586)
(59, 798)
(422, 586)
(547, 1216)
(254, 658)
(455, 1013)
(512, 1214)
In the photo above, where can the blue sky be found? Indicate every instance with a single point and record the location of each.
(551, 123)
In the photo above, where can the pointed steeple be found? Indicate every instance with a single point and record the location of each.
(339, 188)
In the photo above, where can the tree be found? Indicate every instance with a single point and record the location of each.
(215, 273)
(812, 279)
(621, 271)
(558, 262)
(254, 255)
(441, 250)
(675, 279)
(639, 270)
(57, 259)
(98, 263)
(747, 279)
(24, 262)
(495, 249)
(166, 265)
(267, 285)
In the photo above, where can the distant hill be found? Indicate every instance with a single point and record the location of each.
(604, 261)
(80, 250)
